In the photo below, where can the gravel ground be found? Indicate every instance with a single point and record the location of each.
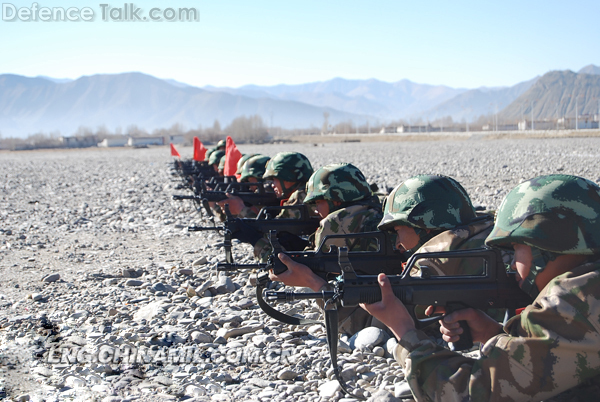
(94, 255)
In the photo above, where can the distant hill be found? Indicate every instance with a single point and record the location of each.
(30, 105)
(44, 104)
(556, 94)
(590, 69)
(383, 100)
(476, 102)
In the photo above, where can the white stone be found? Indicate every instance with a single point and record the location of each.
(329, 389)
(368, 338)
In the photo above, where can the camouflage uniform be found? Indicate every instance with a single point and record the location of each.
(253, 167)
(440, 205)
(215, 157)
(359, 212)
(263, 249)
(550, 351)
(240, 163)
(292, 167)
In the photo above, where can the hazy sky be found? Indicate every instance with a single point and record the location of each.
(455, 43)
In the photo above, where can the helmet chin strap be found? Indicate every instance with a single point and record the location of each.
(538, 264)
(333, 207)
(287, 191)
(424, 237)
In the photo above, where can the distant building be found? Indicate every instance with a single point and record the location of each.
(174, 139)
(583, 122)
(78, 142)
(500, 127)
(537, 125)
(416, 129)
(113, 142)
(145, 141)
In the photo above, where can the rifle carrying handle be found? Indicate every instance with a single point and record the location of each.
(465, 340)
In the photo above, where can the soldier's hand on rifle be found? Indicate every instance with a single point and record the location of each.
(481, 325)
(297, 275)
(390, 309)
(235, 204)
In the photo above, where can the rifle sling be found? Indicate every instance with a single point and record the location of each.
(278, 315)
(331, 324)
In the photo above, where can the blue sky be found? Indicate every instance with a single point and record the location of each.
(460, 44)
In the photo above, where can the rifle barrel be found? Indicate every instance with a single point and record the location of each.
(235, 267)
(290, 295)
(203, 228)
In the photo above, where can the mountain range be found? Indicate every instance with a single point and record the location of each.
(44, 104)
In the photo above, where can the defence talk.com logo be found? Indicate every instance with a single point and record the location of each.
(107, 13)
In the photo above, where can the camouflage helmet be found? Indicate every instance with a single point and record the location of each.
(341, 182)
(555, 213)
(428, 202)
(241, 162)
(221, 144)
(222, 162)
(254, 167)
(289, 166)
(209, 153)
(215, 157)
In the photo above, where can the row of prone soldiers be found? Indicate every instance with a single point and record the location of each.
(549, 225)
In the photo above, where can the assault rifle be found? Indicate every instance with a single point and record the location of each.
(261, 197)
(324, 261)
(494, 287)
(264, 223)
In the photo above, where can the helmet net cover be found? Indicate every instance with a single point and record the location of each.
(341, 182)
(254, 167)
(215, 157)
(222, 162)
(555, 213)
(289, 166)
(428, 202)
(241, 162)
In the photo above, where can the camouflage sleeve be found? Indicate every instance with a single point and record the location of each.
(332, 224)
(247, 212)
(262, 249)
(297, 198)
(355, 219)
(550, 348)
(218, 212)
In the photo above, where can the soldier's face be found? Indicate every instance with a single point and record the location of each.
(252, 180)
(522, 261)
(277, 187)
(406, 238)
(322, 208)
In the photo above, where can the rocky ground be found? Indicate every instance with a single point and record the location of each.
(96, 262)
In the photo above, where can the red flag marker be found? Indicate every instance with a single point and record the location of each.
(174, 151)
(199, 150)
(232, 156)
